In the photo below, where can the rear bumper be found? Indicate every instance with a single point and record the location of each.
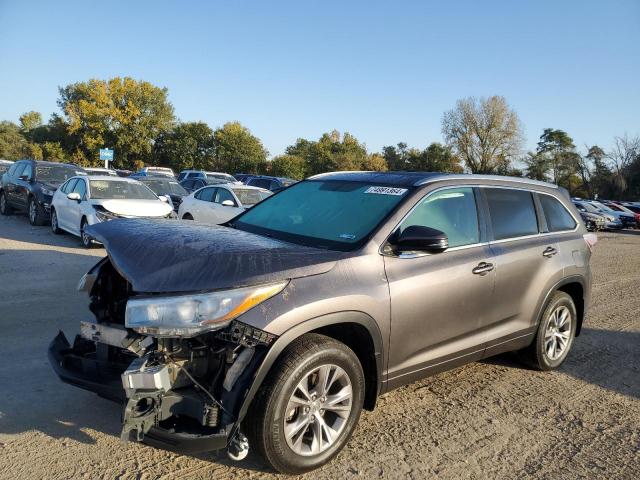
(101, 377)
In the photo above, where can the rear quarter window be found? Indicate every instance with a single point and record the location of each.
(557, 216)
(512, 212)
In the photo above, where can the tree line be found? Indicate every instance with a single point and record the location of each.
(480, 135)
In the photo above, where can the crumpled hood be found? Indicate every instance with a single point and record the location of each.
(135, 208)
(169, 256)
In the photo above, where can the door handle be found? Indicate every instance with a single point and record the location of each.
(549, 252)
(482, 268)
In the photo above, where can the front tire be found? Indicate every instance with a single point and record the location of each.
(54, 222)
(307, 409)
(555, 334)
(35, 213)
(86, 240)
(5, 208)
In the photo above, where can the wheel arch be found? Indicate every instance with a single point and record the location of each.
(574, 286)
(355, 329)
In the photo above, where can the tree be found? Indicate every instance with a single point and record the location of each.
(332, 152)
(12, 143)
(29, 121)
(485, 133)
(189, 145)
(121, 113)
(397, 157)
(435, 158)
(237, 149)
(558, 149)
(290, 166)
(53, 152)
(375, 162)
(624, 152)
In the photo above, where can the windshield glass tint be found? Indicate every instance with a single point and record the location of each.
(55, 173)
(161, 187)
(250, 197)
(336, 213)
(109, 189)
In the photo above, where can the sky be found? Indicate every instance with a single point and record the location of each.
(383, 71)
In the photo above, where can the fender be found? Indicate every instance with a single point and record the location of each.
(313, 324)
(570, 279)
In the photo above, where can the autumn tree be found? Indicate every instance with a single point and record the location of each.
(435, 158)
(332, 152)
(375, 162)
(122, 113)
(238, 150)
(484, 132)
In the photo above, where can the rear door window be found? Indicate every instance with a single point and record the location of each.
(513, 213)
(206, 194)
(452, 211)
(557, 216)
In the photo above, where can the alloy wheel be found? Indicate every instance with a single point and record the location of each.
(3, 203)
(318, 410)
(32, 211)
(54, 221)
(558, 333)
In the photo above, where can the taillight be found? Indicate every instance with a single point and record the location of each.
(590, 239)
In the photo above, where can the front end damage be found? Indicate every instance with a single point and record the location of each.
(179, 393)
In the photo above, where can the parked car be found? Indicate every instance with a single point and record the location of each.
(124, 173)
(220, 203)
(5, 165)
(82, 201)
(243, 177)
(611, 221)
(193, 184)
(167, 187)
(627, 219)
(287, 321)
(593, 221)
(100, 171)
(28, 186)
(275, 184)
(151, 171)
(201, 174)
(626, 209)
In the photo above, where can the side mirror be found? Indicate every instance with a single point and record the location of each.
(24, 178)
(228, 203)
(164, 198)
(422, 239)
(74, 196)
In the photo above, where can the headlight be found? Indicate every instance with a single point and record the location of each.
(189, 315)
(172, 214)
(46, 191)
(104, 215)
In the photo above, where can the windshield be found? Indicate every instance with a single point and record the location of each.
(165, 187)
(113, 189)
(56, 173)
(249, 196)
(326, 214)
(220, 176)
(588, 207)
(602, 207)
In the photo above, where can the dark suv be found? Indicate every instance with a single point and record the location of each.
(28, 186)
(275, 184)
(288, 320)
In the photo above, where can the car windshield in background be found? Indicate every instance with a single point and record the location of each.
(55, 173)
(220, 176)
(249, 196)
(110, 189)
(328, 214)
(588, 207)
(165, 187)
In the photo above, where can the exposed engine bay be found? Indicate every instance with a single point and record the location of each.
(173, 388)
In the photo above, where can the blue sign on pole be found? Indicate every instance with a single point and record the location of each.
(106, 154)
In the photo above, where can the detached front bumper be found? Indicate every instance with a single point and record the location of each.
(77, 367)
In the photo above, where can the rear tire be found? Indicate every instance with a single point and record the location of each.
(35, 213)
(554, 338)
(294, 422)
(54, 222)
(5, 208)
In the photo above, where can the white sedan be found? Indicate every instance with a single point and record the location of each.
(216, 204)
(82, 201)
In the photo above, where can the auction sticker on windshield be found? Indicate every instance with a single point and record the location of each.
(386, 190)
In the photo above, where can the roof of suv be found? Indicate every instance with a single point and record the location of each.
(413, 179)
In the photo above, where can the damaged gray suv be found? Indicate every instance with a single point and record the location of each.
(276, 329)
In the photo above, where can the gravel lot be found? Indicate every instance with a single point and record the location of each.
(493, 419)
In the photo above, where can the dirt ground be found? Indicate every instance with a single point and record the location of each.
(492, 419)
